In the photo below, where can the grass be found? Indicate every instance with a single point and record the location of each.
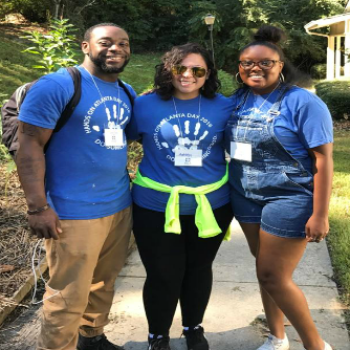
(339, 237)
(15, 67)
(140, 71)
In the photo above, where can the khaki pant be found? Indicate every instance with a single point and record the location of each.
(83, 266)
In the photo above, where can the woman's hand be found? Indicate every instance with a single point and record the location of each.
(317, 228)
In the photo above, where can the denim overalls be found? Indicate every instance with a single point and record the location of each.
(274, 189)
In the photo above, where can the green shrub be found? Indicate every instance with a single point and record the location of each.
(56, 48)
(336, 95)
(319, 71)
(228, 84)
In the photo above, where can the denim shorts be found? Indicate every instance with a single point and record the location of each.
(282, 216)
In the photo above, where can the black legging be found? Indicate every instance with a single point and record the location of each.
(177, 266)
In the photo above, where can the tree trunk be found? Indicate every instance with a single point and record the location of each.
(57, 8)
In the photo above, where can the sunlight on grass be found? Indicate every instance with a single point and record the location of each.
(339, 237)
(140, 71)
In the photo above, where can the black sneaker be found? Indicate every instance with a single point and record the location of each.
(99, 342)
(159, 343)
(195, 339)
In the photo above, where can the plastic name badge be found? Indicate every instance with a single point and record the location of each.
(241, 151)
(188, 157)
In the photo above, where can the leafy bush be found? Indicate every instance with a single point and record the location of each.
(336, 95)
(228, 84)
(319, 71)
(56, 48)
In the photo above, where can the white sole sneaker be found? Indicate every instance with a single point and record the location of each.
(326, 346)
(273, 343)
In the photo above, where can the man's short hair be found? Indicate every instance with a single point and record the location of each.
(88, 32)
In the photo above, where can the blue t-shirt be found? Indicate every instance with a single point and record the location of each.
(304, 121)
(199, 121)
(84, 178)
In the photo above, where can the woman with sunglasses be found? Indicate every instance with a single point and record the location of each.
(280, 141)
(181, 196)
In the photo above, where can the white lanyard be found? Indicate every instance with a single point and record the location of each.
(243, 150)
(197, 123)
(114, 135)
(256, 110)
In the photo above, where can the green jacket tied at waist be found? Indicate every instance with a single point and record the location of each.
(204, 217)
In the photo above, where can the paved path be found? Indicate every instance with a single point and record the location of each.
(234, 318)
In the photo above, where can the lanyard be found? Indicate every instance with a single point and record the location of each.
(256, 110)
(196, 132)
(116, 112)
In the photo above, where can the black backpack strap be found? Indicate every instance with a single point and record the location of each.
(68, 111)
(127, 91)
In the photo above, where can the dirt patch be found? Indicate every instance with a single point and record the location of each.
(16, 243)
(14, 31)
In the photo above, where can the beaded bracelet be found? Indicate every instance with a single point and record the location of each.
(38, 210)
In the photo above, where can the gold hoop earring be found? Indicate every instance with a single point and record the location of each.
(239, 76)
(281, 77)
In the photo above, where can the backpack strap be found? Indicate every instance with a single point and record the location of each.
(68, 111)
(127, 91)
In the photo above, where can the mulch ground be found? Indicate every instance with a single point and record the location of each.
(16, 243)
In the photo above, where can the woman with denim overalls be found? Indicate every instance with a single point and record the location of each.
(280, 142)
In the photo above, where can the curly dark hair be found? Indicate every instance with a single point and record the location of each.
(270, 37)
(163, 85)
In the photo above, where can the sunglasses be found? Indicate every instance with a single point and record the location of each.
(265, 64)
(198, 72)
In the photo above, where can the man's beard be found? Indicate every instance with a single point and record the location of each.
(106, 68)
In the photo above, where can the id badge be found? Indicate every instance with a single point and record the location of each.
(114, 137)
(241, 151)
(188, 157)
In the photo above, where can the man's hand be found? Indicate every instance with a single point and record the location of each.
(45, 224)
(30, 162)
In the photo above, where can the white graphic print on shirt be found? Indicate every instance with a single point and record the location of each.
(99, 118)
(189, 134)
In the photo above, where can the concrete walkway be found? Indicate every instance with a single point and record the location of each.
(234, 319)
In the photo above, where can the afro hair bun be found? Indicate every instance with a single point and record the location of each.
(269, 33)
